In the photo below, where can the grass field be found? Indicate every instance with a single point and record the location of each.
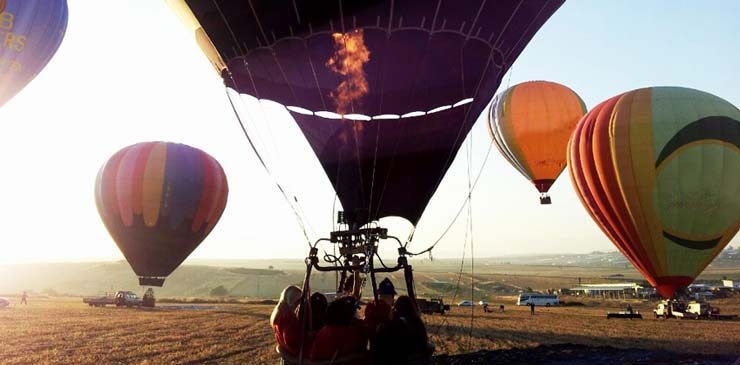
(64, 331)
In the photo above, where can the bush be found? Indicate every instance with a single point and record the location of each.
(219, 291)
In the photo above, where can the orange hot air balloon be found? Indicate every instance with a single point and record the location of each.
(531, 123)
(658, 169)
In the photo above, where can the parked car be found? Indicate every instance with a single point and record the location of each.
(466, 303)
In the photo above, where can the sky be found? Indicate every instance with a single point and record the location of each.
(129, 72)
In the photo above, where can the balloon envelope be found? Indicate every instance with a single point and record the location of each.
(31, 31)
(159, 200)
(387, 125)
(531, 124)
(658, 169)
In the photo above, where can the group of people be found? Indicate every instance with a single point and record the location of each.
(390, 330)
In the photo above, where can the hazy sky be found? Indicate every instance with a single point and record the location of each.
(129, 72)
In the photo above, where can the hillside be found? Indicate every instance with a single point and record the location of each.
(266, 278)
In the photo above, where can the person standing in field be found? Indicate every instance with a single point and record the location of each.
(24, 298)
(531, 308)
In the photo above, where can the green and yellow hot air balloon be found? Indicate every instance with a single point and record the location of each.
(659, 170)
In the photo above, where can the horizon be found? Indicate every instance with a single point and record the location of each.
(195, 261)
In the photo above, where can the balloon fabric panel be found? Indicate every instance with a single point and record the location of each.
(154, 172)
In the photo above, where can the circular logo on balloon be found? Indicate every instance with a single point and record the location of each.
(694, 210)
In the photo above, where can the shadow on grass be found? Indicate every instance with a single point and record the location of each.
(679, 341)
(573, 354)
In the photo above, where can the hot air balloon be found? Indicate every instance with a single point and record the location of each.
(530, 124)
(384, 92)
(159, 201)
(32, 30)
(658, 169)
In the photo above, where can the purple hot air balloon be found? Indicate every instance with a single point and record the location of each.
(31, 32)
(384, 91)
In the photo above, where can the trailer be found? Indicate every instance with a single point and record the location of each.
(627, 314)
(100, 300)
(430, 306)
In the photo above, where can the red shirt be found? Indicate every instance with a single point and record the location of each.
(338, 340)
(375, 314)
(288, 333)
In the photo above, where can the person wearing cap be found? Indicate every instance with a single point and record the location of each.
(387, 292)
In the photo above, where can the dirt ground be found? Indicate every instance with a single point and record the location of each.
(64, 331)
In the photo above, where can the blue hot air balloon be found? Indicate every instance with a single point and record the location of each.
(30, 33)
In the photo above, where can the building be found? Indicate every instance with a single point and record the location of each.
(612, 290)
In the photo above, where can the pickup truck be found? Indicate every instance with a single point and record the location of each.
(674, 309)
(120, 298)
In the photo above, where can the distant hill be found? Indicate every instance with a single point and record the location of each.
(186, 281)
(266, 278)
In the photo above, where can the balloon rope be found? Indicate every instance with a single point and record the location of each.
(472, 252)
(267, 169)
(462, 206)
(299, 219)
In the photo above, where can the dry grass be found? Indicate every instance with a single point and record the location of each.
(583, 325)
(64, 331)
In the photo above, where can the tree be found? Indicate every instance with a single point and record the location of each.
(219, 291)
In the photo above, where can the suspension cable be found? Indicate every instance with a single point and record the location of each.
(470, 190)
(267, 169)
(472, 252)
(462, 206)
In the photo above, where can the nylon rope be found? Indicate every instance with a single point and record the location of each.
(475, 183)
(296, 213)
(267, 169)
(472, 252)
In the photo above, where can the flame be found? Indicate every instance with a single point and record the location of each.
(349, 57)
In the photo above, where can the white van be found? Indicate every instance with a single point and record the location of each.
(538, 299)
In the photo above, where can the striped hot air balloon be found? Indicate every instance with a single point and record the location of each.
(159, 200)
(530, 124)
(658, 169)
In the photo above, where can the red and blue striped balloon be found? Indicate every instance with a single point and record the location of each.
(159, 201)
(30, 32)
